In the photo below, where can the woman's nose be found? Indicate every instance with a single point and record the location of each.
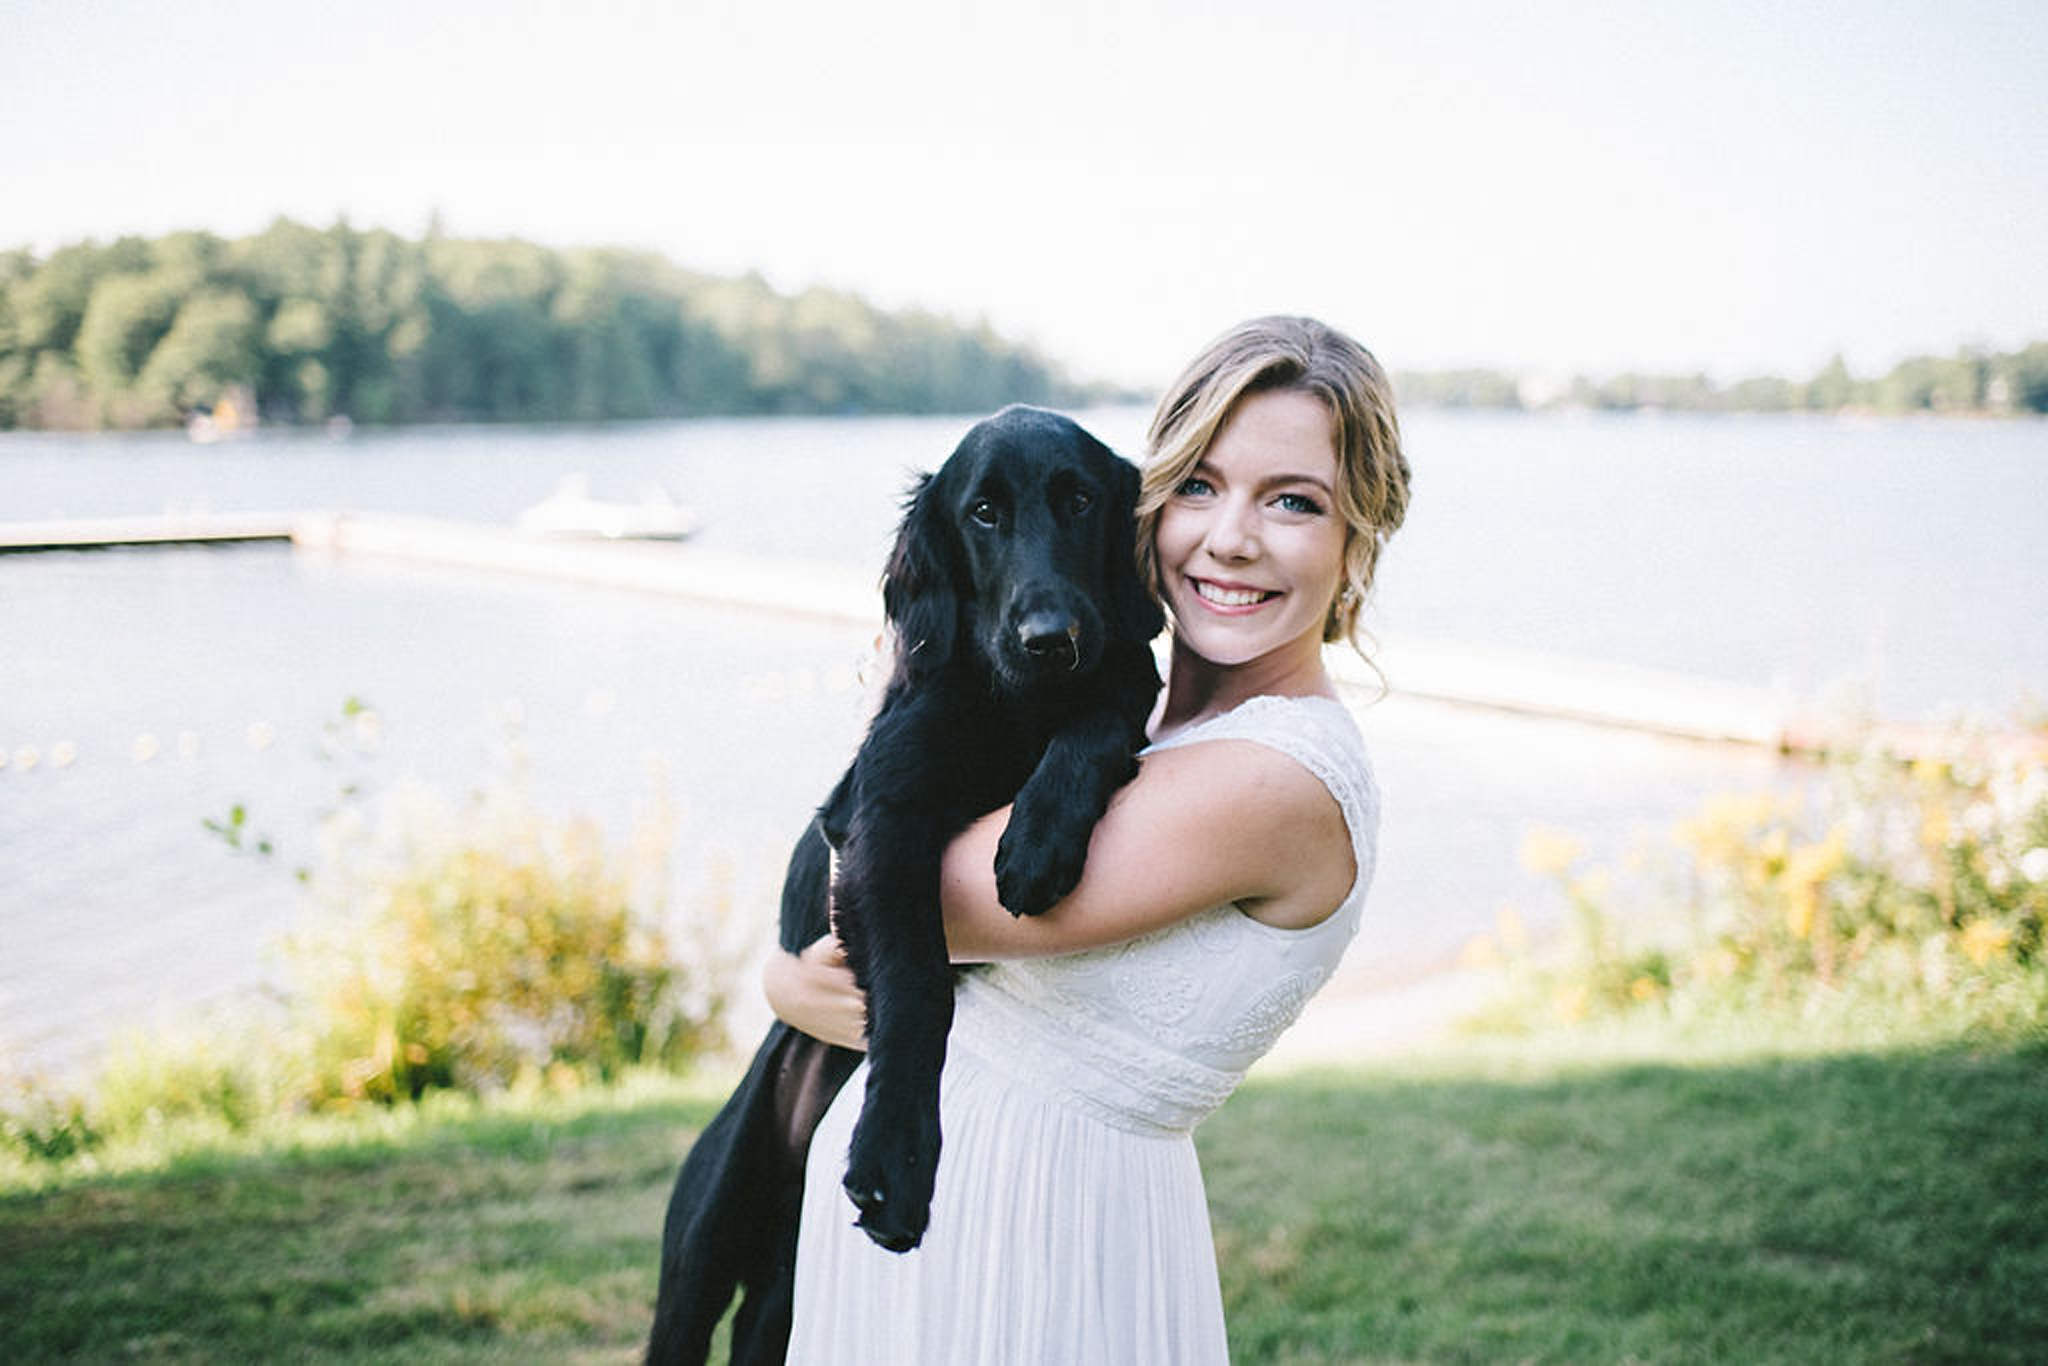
(1234, 534)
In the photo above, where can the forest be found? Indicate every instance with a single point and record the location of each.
(298, 324)
(1970, 382)
(309, 325)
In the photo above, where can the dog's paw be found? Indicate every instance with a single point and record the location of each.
(1033, 872)
(890, 1183)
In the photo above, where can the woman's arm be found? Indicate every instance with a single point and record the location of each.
(1202, 825)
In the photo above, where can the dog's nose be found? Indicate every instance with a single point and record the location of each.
(1047, 635)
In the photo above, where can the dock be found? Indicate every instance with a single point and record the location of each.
(167, 529)
(1492, 678)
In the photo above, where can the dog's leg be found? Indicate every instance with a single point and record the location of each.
(1044, 847)
(895, 941)
(732, 1215)
(711, 1241)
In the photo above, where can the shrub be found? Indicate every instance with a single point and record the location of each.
(494, 949)
(483, 948)
(473, 948)
(1891, 894)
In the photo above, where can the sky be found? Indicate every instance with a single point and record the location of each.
(1568, 187)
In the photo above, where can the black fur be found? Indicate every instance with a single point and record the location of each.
(1023, 674)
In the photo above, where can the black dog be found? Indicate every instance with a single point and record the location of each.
(1023, 674)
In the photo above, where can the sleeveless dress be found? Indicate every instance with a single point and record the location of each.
(1070, 1224)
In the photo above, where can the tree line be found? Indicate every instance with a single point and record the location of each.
(1972, 381)
(312, 324)
(305, 324)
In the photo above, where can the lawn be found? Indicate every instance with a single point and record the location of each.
(1556, 1202)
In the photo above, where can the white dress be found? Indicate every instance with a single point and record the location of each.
(1069, 1224)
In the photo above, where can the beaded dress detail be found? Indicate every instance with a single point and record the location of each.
(1070, 1223)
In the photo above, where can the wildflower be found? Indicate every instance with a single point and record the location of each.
(1550, 853)
(1984, 940)
(2034, 864)
(1931, 774)
(1644, 989)
(1807, 869)
(1480, 952)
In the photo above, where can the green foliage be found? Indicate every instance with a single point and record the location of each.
(366, 324)
(1969, 382)
(1898, 896)
(476, 949)
(496, 949)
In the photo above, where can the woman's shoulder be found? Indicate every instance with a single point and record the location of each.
(1315, 731)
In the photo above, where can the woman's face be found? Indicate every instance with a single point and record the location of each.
(1251, 545)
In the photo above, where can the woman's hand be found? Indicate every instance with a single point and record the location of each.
(814, 991)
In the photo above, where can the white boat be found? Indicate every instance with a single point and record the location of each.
(571, 511)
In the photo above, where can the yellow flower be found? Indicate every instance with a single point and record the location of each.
(1570, 1002)
(1480, 952)
(1800, 908)
(1548, 852)
(1984, 940)
(1644, 989)
(1806, 869)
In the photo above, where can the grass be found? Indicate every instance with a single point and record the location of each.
(524, 1231)
(1769, 1209)
(1636, 1201)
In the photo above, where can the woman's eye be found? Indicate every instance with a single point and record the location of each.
(1194, 486)
(984, 513)
(1299, 503)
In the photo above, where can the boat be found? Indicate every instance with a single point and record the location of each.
(571, 511)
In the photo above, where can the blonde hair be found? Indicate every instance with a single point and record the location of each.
(1304, 356)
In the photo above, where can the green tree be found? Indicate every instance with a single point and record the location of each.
(2024, 376)
(211, 345)
(127, 315)
(1833, 389)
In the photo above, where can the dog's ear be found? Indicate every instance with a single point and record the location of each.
(1134, 614)
(919, 594)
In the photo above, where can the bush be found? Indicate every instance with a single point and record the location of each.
(1893, 895)
(494, 949)
(478, 948)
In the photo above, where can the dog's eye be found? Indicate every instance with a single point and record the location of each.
(1081, 502)
(984, 513)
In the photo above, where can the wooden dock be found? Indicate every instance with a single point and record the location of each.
(1493, 678)
(705, 575)
(173, 528)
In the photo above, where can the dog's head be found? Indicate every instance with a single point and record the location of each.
(1021, 549)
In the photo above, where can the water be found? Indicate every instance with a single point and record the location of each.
(143, 693)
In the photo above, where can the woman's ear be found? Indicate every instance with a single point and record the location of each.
(1133, 611)
(918, 592)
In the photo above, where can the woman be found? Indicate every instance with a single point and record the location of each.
(1069, 1223)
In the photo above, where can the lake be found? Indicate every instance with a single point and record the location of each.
(144, 693)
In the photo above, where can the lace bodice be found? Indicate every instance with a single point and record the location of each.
(1153, 1035)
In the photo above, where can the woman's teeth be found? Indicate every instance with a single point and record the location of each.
(1230, 597)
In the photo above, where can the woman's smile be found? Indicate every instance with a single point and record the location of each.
(1230, 596)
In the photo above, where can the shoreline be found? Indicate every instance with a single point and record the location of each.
(1497, 678)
